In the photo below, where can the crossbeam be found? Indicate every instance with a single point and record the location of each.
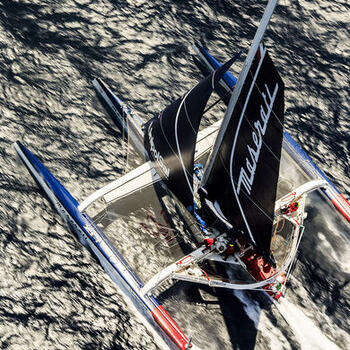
(181, 264)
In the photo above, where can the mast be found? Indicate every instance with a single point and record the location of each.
(236, 92)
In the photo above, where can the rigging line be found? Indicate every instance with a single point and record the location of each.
(293, 262)
(206, 110)
(127, 146)
(277, 231)
(284, 221)
(294, 218)
(125, 141)
(228, 92)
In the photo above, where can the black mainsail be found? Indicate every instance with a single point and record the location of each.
(240, 188)
(170, 137)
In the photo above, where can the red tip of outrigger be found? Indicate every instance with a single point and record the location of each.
(342, 205)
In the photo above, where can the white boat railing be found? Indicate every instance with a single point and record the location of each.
(177, 269)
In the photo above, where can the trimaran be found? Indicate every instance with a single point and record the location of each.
(232, 198)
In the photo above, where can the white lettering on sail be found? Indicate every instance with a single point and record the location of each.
(156, 155)
(256, 139)
(247, 173)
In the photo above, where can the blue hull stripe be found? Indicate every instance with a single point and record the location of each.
(307, 159)
(227, 77)
(70, 205)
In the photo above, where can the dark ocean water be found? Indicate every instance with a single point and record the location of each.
(53, 294)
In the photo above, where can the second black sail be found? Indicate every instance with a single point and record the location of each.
(170, 137)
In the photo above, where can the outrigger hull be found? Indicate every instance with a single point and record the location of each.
(90, 235)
